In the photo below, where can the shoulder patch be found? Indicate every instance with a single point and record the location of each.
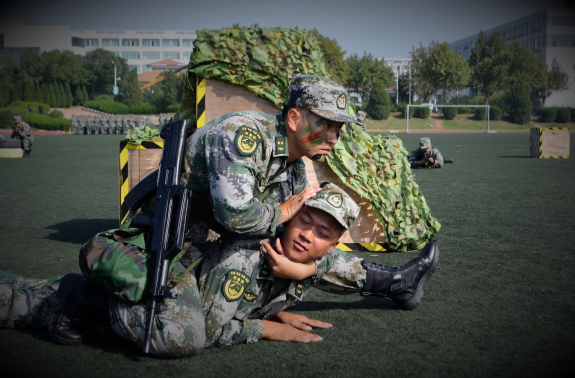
(299, 290)
(281, 146)
(250, 297)
(235, 285)
(265, 270)
(247, 140)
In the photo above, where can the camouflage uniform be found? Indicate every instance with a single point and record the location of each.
(419, 154)
(24, 134)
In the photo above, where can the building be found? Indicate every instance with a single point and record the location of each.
(155, 69)
(549, 33)
(399, 66)
(138, 47)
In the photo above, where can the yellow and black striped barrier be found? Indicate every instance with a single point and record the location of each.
(200, 101)
(125, 148)
(536, 141)
(364, 247)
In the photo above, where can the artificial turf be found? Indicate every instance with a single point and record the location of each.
(502, 302)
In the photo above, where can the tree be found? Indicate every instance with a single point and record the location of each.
(489, 64)
(45, 93)
(420, 77)
(525, 69)
(39, 94)
(520, 109)
(447, 70)
(168, 91)
(378, 107)
(98, 64)
(404, 87)
(68, 92)
(85, 96)
(62, 96)
(132, 92)
(364, 72)
(29, 94)
(31, 65)
(53, 99)
(78, 95)
(18, 92)
(557, 81)
(334, 57)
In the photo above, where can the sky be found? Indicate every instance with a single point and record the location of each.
(386, 29)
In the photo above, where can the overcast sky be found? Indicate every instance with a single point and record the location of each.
(387, 29)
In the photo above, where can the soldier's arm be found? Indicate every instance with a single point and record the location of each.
(232, 183)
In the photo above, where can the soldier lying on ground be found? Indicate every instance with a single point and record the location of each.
(232, 296)
(427, 156)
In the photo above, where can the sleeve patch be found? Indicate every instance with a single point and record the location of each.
(247, 140)
(235, 285)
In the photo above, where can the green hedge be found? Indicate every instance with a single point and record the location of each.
(548, 115)
(56, 114)
(379, 111)
(449, 113)
(48, 123)
(21, 107)
(6, 120)
(495, 113)
(563, 115)
(480, 113)
(119, 108)
(402, 108)
(422, 113)
(465, 111)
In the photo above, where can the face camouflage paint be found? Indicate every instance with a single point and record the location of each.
(313, 137)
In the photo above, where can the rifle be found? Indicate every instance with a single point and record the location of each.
(168, 225)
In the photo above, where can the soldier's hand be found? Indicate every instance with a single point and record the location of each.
(284, 268)
(431, 160)
(300, 321)
(284, 332)
(290, 207)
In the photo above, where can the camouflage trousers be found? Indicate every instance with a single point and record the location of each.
(178, 329)
(26, 142)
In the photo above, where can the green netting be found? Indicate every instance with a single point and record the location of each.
(264, 60)
(139, 134)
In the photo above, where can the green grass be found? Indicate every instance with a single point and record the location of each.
(501, 303)
(396, 122)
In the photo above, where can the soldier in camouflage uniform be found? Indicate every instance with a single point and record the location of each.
(22, 131)
(233, 296)
(426, 155)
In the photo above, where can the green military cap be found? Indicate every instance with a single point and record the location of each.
(336, 202)
(424, 143)
(321, 96)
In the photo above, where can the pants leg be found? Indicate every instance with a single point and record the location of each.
(179, 326)
(26, 302)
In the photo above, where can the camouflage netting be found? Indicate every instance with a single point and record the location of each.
(375, 166)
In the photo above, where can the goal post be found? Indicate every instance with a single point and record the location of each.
(445, 106)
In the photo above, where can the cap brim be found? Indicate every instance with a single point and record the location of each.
(319, 205)
(335, 116)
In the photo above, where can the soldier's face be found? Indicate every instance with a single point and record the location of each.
(317, 135)
(310, 234)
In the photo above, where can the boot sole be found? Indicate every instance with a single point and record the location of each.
(414, 302)
(59, 339)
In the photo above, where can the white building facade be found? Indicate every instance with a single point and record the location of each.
(399, 66)
(550, 34)
(138, 47)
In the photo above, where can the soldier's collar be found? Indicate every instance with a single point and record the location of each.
(281, 141)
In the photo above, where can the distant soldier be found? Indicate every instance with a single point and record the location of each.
(427, 156)
(41, 109)
(22, 131)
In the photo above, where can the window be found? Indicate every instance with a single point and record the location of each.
(130, 55)
(91, 42)
(535, 24)
(130, 42)
(151, 42)
(186, 55)
(187, 42)
(170, 55)
(536, 43)
(78, 42)
(151, 55)
(145, 68)
(99, 32)
(561, 20)
(521, 29)
(116, 53)
(110, 42)
(134, 67)
(560, 41)
(170, 42)
(140, 32)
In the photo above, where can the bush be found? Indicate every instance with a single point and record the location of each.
(495, 113)
(48, 123)
(449, 113)
(22, 107)
(173, 108)
(143, 108)
(402, 107)
(464, 111)
(422, 113)
(480, 113)
(56, 114)
(520, 108)
(501, 100)
(104, 97)
(6, 120)
(379, 112)
(548, 115)
(572, 111)
(119, 108)
(538, 109)
(563, 115)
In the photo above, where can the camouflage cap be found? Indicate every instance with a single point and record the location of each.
(321, 96)
(336, 202)
(17, 118)
(424, 143)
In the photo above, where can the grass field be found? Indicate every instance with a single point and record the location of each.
(462, 122)
(502, 302)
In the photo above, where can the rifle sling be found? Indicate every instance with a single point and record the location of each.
(182, 274)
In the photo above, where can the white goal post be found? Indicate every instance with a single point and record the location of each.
(445, 106)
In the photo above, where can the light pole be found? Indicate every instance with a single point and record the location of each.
(115, 90)
(397, 87)
(410, 84)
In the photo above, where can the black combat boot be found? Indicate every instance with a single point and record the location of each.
(81, 305)
(26, 153)
(403, 285)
